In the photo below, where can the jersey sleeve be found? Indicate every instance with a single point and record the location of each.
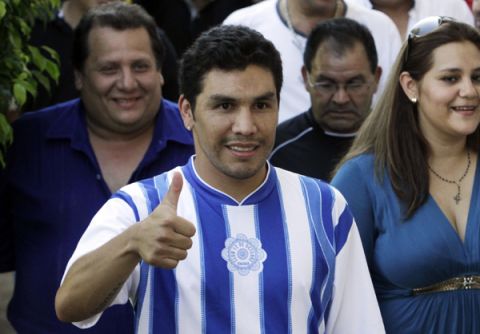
(111, 220)
(354, 307)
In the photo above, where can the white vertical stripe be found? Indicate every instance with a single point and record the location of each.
(300, 247)
(189, 272)
(338, 207)
(246, 301)
(321, 326)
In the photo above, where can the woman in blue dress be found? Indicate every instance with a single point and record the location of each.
(412, 182)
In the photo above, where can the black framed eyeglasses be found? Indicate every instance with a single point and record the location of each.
(424, 27)
(330, 87)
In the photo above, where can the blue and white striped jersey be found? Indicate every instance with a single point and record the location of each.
(287, 259)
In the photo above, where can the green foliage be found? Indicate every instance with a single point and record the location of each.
(22, 66)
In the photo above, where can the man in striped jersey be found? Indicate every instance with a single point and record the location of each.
(227, 243)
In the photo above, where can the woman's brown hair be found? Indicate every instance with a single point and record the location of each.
(391, 132)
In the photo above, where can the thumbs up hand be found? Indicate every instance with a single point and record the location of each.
(163, 238)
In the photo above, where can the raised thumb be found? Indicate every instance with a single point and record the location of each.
(173, 193)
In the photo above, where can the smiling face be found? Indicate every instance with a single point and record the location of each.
(343, 110)
(120, 83)
(448, 94)
(233, 125)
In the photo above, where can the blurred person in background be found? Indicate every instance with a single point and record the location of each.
(405, 13)
(341, 74)
(287, 23)
(476, 12)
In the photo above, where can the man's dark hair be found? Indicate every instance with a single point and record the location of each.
(119, 16)
(341, 34)
(226, 47)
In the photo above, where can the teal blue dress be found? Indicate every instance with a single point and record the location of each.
(413, 253)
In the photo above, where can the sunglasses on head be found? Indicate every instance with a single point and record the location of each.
(424, 27)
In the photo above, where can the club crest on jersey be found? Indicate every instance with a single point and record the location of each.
(243, 254)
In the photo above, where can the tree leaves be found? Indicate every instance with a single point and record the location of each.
(6, 137)
(22, 66)
(3, 10)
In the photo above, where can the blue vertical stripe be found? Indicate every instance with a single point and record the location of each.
(151, 194)
(327, 222)
(342, 229)
(312, 199)
(276, 277)
(217, 280)
(165, 286)
(314, 319)
(317, 193)
(164, 294)
(141, 291)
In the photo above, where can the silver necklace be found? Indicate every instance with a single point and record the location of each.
(457, 198)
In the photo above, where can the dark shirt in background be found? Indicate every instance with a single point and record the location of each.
(301, 146)
(175, 18)
(50, 190)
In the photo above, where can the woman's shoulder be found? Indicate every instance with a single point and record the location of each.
(363, 162)
(359, 170)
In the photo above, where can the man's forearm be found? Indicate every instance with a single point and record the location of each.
(94, 280)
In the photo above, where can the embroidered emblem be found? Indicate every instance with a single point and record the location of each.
(243, 254)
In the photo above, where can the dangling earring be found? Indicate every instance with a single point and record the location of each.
(414, 100)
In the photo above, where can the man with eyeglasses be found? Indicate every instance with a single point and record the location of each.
(341, 74)
(287, 23)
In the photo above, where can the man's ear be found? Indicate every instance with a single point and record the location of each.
(162, 78)
(186, 112)
(409, 86)
(377, 76)
(305, 77)
(78, 80)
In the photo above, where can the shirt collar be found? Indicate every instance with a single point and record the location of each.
(71, 124)
(317, 127)
(217, 196)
